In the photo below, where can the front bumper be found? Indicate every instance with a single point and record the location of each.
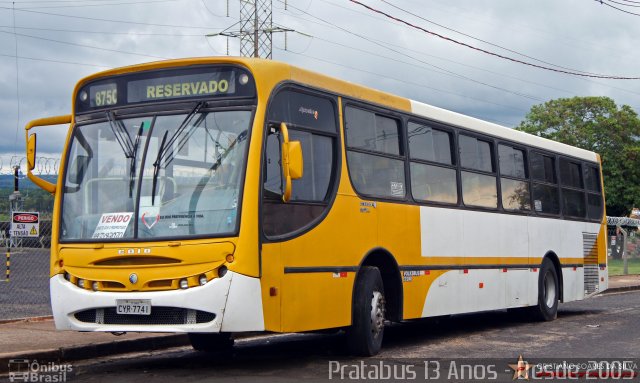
(235, 300)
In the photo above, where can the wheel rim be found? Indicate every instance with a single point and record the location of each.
(549, 290)
(377, 313)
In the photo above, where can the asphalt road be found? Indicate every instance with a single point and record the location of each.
(601, 328)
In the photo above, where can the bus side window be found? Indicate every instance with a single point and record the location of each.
(478, 174)
(594, 192)
(374, 155)
(433, 173)
(573, 198)
(513, 178)
(545, 189)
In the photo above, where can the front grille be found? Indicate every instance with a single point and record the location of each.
(159, 316)
(590, 260)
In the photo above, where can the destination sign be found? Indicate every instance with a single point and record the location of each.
(163, 88)
(200, 82)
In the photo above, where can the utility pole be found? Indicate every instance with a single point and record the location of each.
(15, 202)
(256, 29)
(15, 199)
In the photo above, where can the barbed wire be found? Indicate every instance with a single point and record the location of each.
(45, 166)
(623, 221)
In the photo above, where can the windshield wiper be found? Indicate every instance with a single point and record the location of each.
(129, 148)
(156, 167)
(132, 168)
(166, 157)
(169, 153)
(121, 134)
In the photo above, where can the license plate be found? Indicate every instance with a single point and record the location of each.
(133, 306)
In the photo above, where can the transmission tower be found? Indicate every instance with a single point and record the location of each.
(256, 29)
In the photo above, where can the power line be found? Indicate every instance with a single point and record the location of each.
(442, 70)
(285, 6)
(626, 5)
(417, 85)
(98, 5)
(449, 39)
(450, 29)
(55, 61)
(426, 54)
(108, 20)
(603, 2)
(365, 14)
(55, 1)
(587, 80)
(481, 40)
(212, 12)
(106, 32)
(353, 48)
(518, 26)
(413, 83)
(86, 46)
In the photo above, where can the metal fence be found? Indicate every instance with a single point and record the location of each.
(623, 240)
(24, 290)
(26, 293)
(24, 282)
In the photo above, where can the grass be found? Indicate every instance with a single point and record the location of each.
(616, 267)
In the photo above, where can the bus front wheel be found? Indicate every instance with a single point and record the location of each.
(548, 292)
(218, 342)
(364, 337)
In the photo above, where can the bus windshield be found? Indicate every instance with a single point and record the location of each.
(155, 176)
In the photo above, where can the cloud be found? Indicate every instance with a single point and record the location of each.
(572, 33)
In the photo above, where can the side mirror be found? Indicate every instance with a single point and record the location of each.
(31, 148)
(296, 162)
(31, 152)
(292, 161)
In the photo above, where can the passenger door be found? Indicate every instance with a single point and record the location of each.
(295, 236)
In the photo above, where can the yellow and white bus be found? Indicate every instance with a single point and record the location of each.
(212, 196)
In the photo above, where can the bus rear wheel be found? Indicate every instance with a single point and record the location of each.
(548, 293)
(364, 337)
(217, 342)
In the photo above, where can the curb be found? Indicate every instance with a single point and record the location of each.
(30, 319)
(620, 289)
(97, 350)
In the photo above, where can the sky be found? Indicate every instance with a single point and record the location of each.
(59, 42)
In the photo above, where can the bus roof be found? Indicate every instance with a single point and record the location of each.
(437, 114)
(481, 126)
(265, 68)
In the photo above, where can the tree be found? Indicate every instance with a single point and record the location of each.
(599, 125)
